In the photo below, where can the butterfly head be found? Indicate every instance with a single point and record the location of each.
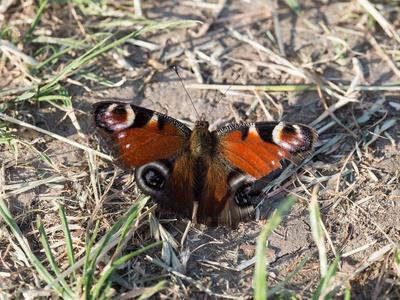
(202, 123)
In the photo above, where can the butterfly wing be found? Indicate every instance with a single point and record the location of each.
(258, 148)
(155, 145)
(170, 183)
(225, 200)
(246, 152)
(136, 136)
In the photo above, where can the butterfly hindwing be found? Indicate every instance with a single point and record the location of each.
(225, 200)
(169, 183)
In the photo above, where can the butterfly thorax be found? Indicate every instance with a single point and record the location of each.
(200, 140)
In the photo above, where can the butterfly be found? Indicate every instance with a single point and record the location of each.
(205, 176)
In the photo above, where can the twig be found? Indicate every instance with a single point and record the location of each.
(384, 56)
(206, 26)
(327, 109)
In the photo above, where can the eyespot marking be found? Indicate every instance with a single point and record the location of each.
(288, 136)
(118, 117)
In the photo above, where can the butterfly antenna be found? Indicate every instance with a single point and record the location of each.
(180, 79)
(222, 96)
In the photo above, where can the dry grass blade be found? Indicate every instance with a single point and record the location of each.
(180, 275)
(294, 88)
(56, 136)
(217, 9)
(387, 27)
(142, 293)
(26, 186)
(8, 48)
(273, 56)
(379, 129)
(362, 248)
(278, 32)
(169, 245)
(138, 8)
(377, 255)
(330, 112)
(383, 55)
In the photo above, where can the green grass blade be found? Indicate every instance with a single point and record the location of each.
(107, 276)
(96, 78)
(29, 95)
(76, 64)
(296, 8)
(35, 20)
(260, 275)
(89, 243)
(86, 280)
(132, 217)
(277, 288)
(51, 99)
(347, 294)
(90, 263)
(99, 49)
(49, 255)
(156, 26)
(68, 240)
(108, 236)
(45, 158)
(42, 271)
(67, 42)
(137, 252)
(325, 283)
(317, 232)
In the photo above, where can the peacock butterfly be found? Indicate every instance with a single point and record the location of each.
(200, 175)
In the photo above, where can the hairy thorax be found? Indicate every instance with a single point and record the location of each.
(201, 141)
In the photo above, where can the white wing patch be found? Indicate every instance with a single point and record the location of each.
(117, 124)
(292, 142)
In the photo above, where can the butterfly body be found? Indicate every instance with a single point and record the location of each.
(198, 174)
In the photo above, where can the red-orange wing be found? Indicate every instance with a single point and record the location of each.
(258, 148)
(136, 136)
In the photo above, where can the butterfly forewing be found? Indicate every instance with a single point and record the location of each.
(258, 148)
(136, 136)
